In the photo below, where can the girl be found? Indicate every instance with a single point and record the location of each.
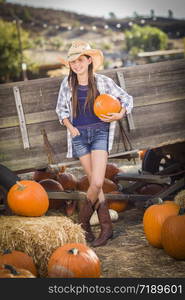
(89, 137)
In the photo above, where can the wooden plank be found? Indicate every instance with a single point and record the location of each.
(143, 177)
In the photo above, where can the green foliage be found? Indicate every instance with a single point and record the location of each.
(146, 38)
(10, 56)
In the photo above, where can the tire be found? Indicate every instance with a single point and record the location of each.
(7, 177)
(151, 161)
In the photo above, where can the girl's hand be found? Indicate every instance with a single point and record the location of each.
(110, 117)
(74, 131)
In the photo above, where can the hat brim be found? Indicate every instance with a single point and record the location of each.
(97, 57)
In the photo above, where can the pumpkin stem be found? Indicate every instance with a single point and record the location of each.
(21, 186)
(73, 251)
(12, 269)
(160, 200)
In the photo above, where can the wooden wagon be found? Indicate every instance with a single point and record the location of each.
(31, 137)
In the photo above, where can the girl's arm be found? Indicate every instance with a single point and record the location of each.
(73, 130)
(62, 107)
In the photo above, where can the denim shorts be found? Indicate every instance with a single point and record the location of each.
(90, 138)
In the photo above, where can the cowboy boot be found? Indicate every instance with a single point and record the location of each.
(105, 224)
(86, 211)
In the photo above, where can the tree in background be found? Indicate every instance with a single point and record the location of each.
(152, 13)
(10, 54)
(147, 38)
(170, 14)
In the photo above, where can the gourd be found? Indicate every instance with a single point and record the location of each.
(108, 185)
(74, 260)
(28, 198)
(111, 171)
(172, 236)
(51, 185)
(105, 104)
(153, 219)
(18, 259)
(67, 180)
(9, 271)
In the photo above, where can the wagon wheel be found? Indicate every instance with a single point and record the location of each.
(155, 161)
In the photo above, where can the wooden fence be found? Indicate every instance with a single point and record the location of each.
(28, 110)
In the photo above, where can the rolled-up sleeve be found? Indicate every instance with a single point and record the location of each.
(62, 107)
(125, 99)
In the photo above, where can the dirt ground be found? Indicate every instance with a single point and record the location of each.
(129, 254)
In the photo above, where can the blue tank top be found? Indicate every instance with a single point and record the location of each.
(86, 117)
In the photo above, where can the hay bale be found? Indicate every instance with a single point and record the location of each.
(180, 198)
(38, 236)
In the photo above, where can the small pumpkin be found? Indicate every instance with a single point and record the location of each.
(117, 205)
(105, 104)
(28, 198)
(153, 219)
(108, 185)
(141, 153)
(74, 260)
(111, 171)
(9, 271)
(172, 236)
(18, 259)
(51, 185)
(67, 180)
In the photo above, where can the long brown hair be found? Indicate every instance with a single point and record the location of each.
(92, 89)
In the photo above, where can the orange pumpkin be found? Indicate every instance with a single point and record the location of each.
(9, 271)
(67, 180)
(28, 198)
(74, 260)
(18, 259)
(172, 236)
(51, 185)
(141, 153)
(153, 219)
(117, 205)
(108, 185)
(105, 104)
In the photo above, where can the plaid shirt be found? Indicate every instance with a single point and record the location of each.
(105, 85)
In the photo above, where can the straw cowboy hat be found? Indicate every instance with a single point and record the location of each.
(79, 48)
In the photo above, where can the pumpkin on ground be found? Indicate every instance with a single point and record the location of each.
(51, 185)
(67, 180)
(28, 198)
(117, 205)
(18, 259)
(9, 271)
(153, 219)
(74, 260)
(105, 104)
(172, 236)
(108, 185)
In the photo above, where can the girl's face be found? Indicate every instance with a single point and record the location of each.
(80, 65)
